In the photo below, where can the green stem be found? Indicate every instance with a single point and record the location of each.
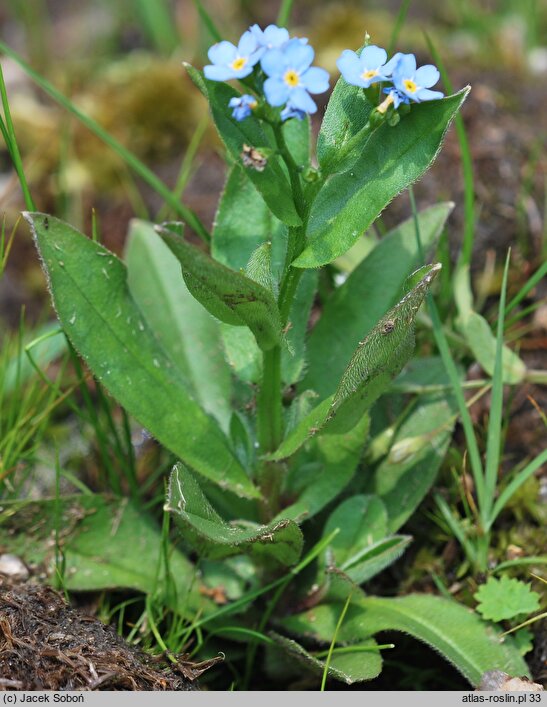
(294, 171)
(270, 429)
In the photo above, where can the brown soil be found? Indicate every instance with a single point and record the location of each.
(47, 645)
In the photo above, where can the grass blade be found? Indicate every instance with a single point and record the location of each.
(493, 441)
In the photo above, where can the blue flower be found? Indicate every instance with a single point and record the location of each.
(273, 37)
(291, 78)
(242, 105)
(414, 84)
(395, 97)
(368, 68)
(231, 62)
(291, 112)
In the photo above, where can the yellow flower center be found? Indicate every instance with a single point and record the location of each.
(370, 74)
(239, 63)
(410, 86)
(291, 78)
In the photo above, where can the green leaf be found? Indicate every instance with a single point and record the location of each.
(356, 663)
(374, 558)
(187, 332)
(259, 267)
(448, 627)
(404, 477)
(482, 343)
(271, 181)
(376, 361)
(226, 294)
(44, 345)
(293, 356)
(297, 134)
(206, 531)
(90, 293)
(243, 222)
(505, 598)
(319, 474)
(361, 549)
(365, 296)
(394, 158)
(107, 543)
(347, 112)
(361, 521)
(380, 357)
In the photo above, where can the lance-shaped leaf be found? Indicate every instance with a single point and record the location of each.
(377, 360)
(322, 472)
(89, 288)
(453, 630)
(211, 536)
(367, 294)
(268, 178)
(361, 549)
(107, 543)
(228, 295)
(394, 158)
(187, 332)
(407, 473)
(349, 664)
(346, 114)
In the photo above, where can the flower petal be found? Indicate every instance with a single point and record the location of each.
(406, 66)
(424, 94)
(427, 76)
(213, 72)
(301, 100)
(298, 56)
(275, 36)
(349, 66)
(372, 57)
(315, 80)
(222, 53)
(388, 68)
(273, 62)
(276, 91)
(247, 44)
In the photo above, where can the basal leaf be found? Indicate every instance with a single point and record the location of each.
(228, 295)
(106, 543)
(418, 448)
(367, 294)
(188, 333)
(210, 535)
(394, 158)
(90, 293)
(357, 663)
(448, 627)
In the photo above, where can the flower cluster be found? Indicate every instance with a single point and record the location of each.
(408, 83)
(288, 77)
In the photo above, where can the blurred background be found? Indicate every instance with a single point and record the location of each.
(120, 63)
